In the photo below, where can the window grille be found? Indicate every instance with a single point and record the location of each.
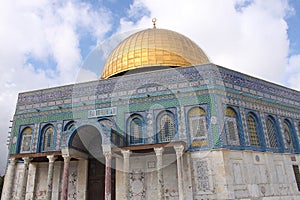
(198, 127)
(197, 124)
(231, 127)
(166, 128)
(252, 130)
(48, 140)
(272, 133)
(26, 140)
(288, 135)
(136, 131)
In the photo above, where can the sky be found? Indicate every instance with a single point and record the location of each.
(47, 43)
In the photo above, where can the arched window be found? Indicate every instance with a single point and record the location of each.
(69, 126)
(231, 127)
(166, 127)
(198, 127)
(287, 131)
(26, 139)
(136, 130)
(253, 130)
(272, 133)
(48, 139)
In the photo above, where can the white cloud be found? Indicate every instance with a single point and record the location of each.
(34, 32)
(252, 39)
(85, 75)
(294, 72)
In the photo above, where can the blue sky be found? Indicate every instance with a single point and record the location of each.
(294, 28)
(50, 43)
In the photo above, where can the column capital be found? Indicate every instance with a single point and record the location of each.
(66, 157)
(126, 153)
(26, 160)
(51, 158)
(107, 154)
(179, 149)
(12, 161)
(159, 151)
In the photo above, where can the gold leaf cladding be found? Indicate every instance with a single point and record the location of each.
(153, 47)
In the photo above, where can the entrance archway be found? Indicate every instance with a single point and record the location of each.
(88, 139)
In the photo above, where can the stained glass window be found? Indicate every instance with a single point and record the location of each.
(26, 140)
(166, 127)
(288, 135)
(252, 130)
(48, 139)
(272, 133)
(231, 127)
(198, 126)
(136, 131)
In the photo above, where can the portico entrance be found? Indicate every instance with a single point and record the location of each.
(96, 180)
(100, 170)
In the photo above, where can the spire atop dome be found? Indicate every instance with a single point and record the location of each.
(154, 22)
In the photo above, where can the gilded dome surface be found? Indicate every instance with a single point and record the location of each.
(153, 48)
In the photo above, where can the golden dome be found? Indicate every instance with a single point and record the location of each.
(153, 48)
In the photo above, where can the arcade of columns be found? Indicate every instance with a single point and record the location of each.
(108, 156)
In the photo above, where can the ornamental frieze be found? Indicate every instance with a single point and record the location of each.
(172, 79)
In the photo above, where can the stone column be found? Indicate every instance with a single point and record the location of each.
(179, 151)
(160, 178)
(24, 178)
(65, 179)
(31, 181)
(126, 168)
(9, 179)
(51, 159)
(107, 155)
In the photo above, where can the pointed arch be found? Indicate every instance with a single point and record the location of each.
(83, 129)
(135, 129)
(232, 136)
(272, 133)
(87, 138)
(26, 140)
(165, 126)
(69, 126)
(197, 126)
(253, 130)
(47, 142)
(288, 134)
